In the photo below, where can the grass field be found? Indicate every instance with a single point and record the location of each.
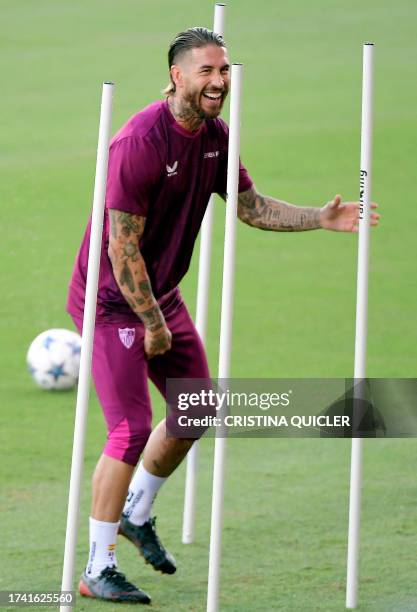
(286, 501)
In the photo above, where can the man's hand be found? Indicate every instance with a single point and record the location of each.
(344, 216)
(157, 342)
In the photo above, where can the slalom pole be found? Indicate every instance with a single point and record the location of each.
(225, 332)
(87, 340)
(361, 321)
(188, 525)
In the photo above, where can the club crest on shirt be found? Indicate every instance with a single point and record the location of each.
(127, 336)
(172, 170)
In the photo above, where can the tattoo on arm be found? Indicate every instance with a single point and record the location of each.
(131, 250)
(129, 267)
(126, 278)
(129, 224)
(268, 213)
(125, 223)
(145, 288)
(151, 318)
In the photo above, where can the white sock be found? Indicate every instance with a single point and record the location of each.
(102, 547)
(142, 492)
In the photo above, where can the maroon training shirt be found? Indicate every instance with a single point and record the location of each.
(162, 172)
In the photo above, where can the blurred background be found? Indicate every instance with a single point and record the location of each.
(286, 501)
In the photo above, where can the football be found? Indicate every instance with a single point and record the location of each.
(53, 359)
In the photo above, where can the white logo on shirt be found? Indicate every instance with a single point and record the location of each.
(211, 154)
(172, 170)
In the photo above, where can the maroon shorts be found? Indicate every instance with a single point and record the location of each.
(121, 370)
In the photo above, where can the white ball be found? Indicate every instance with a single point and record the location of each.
(53, 359)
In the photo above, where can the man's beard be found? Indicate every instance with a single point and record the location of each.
(192, 107)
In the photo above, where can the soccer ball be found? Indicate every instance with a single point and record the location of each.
(53, 359)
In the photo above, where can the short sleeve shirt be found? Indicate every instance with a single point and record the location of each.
(165, 173)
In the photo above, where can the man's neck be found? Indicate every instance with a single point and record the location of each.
(185, 116)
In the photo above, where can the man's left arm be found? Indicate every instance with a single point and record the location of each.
(267, 213)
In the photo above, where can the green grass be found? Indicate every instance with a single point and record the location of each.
(285, 526)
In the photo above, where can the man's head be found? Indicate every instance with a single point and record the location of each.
(199, 71)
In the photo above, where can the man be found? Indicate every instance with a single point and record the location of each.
(163, 166)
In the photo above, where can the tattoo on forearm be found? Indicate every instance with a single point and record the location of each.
(145, 288)
(152, 318)
(126, 278)
(131, 250)
(267, 213)
(129, 267)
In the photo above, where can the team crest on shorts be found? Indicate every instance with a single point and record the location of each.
(127, 336)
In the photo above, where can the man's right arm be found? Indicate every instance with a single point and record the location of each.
(130, 272)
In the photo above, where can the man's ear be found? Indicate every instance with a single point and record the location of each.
(176, 76)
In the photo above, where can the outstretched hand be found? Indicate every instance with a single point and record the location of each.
(344, 216)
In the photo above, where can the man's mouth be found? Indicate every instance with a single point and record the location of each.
(210, 95)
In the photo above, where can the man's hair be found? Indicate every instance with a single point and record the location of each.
(193, 38)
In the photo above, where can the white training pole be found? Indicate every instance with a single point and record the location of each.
(201, 325)
(87, 340)
(225, 331)
(361, 320)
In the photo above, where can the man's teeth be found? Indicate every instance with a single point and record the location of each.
(212, 96)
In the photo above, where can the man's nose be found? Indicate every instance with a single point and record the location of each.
(218, 81)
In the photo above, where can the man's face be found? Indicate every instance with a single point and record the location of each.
(201, 77)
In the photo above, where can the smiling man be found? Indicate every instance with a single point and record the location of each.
(164, 164)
